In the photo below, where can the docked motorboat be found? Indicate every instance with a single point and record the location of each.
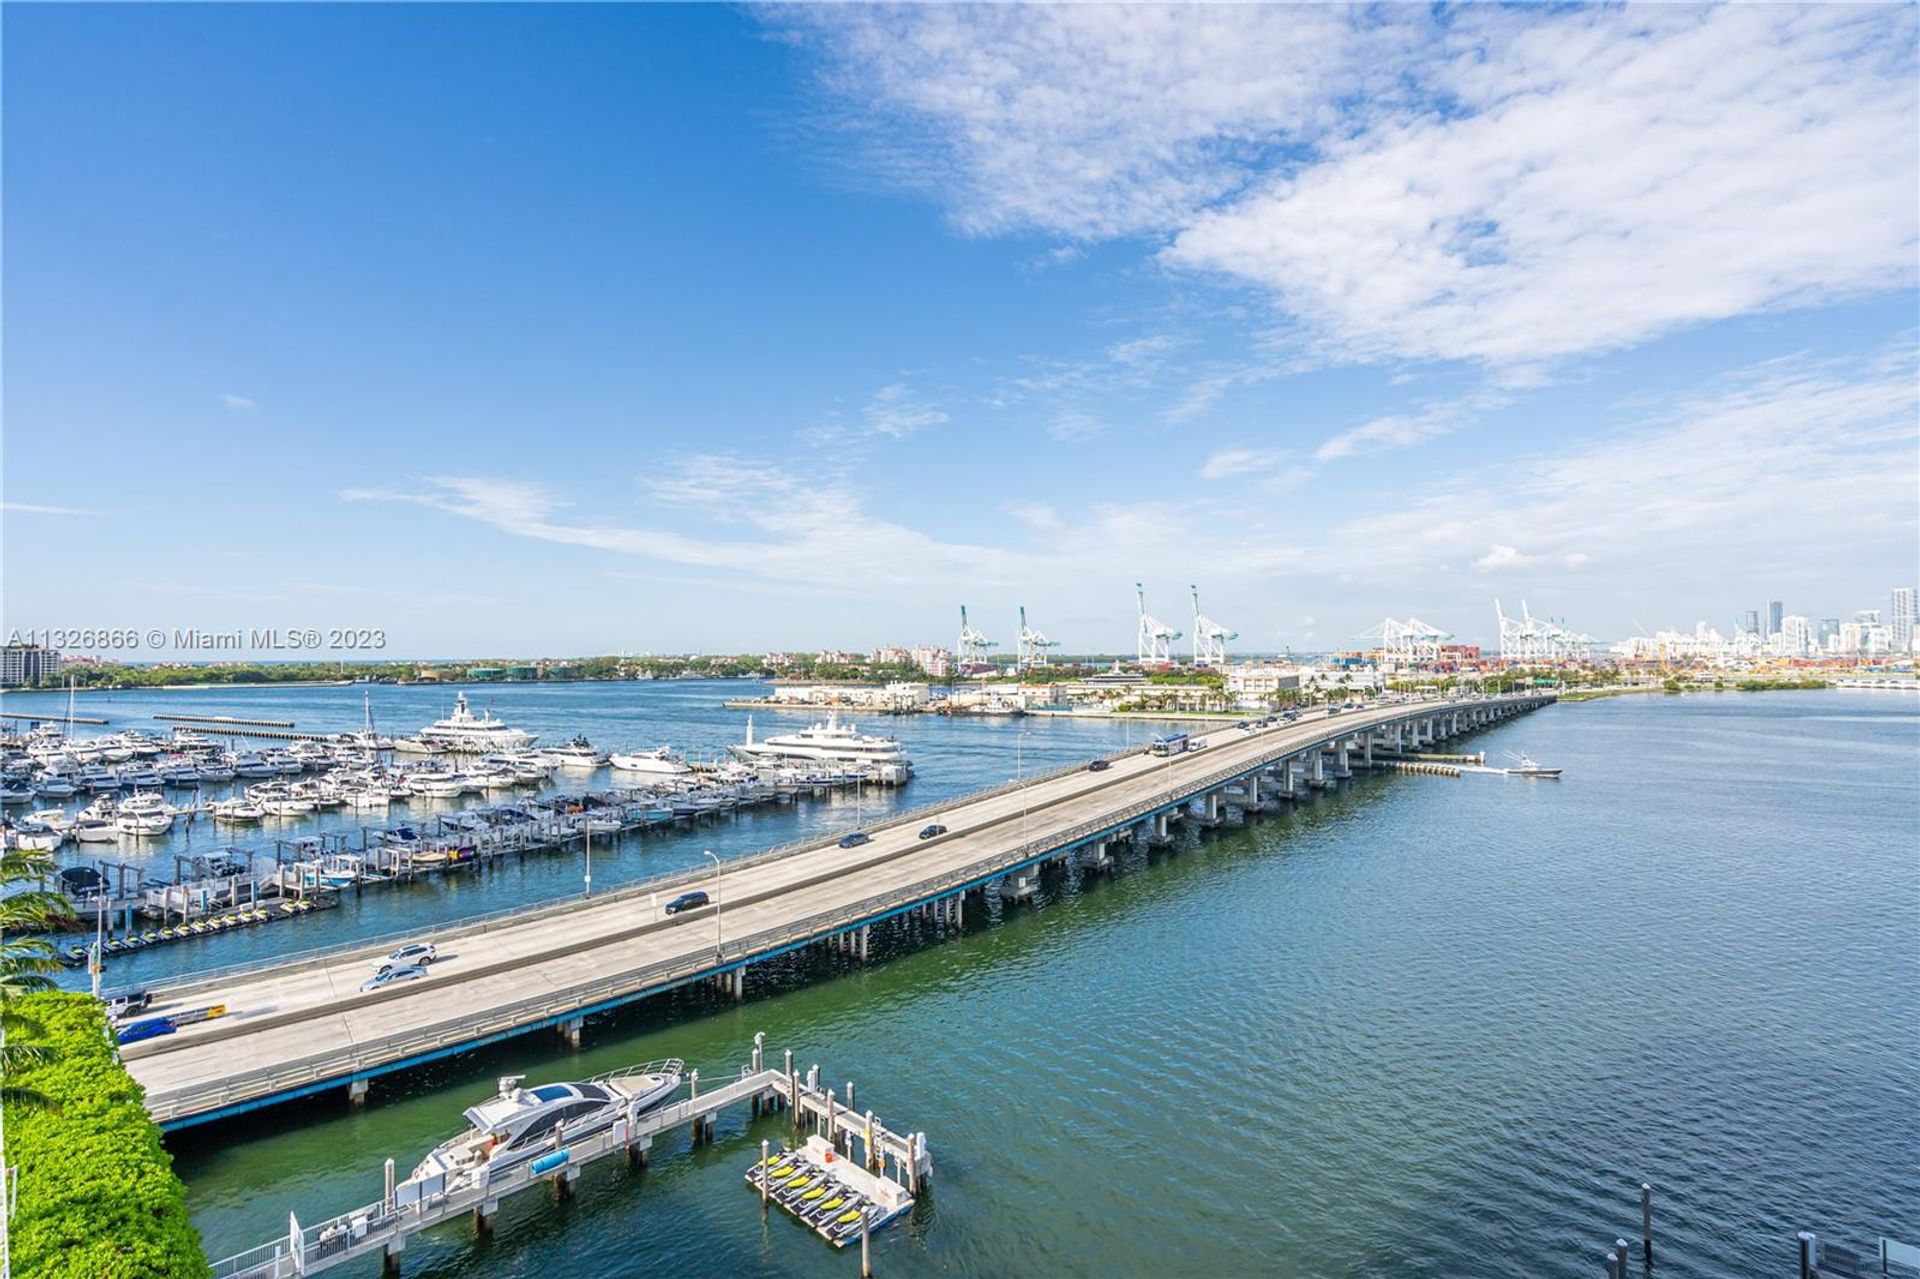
(144, 814)
(578, 755)
(34, 837)
(237, 810)
(440, 785)
(660, 761)
(213, 771)
(519, 1124)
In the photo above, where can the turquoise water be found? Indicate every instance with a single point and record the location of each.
(1421, 1027)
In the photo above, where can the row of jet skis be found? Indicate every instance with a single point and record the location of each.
(832, 1208)
(245, 917)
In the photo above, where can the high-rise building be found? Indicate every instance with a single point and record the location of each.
(23, 664)
(1902, 619)
(1866, 616)
(1774, 610)
(1829, 631)
(1796, 636)
(1752, 626)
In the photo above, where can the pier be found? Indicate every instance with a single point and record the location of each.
(408, 1206)
(304, 1027)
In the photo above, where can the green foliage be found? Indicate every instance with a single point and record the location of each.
(97, 1194)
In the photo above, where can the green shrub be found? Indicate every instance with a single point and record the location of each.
(97, 1194)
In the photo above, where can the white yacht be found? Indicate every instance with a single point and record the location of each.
(467, 733)
(520, 1124)
(831, 742)
(236, 810)
(143, 814)
(660, 761)
(578, 755)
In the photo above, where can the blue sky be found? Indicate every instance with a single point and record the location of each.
(643, 328)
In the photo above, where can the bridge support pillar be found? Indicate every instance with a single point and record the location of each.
(637, 1154)
(564, 1184)
(569, 1031)
(1340, 766)
(483, 1217)
(960, 910)
(1162, 834)
(1253, 791)
(390, 1259)
(357, 1094)
(866, 934)
(1366, 750)
(737, 984)
(1317, 770)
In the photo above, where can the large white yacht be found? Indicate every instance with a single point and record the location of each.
(831, 742)
(466, 733)
(520, 1124)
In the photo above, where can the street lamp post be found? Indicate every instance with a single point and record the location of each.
(588, 828)
(716, 900)
(1020, 775)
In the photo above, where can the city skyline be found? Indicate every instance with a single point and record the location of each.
(522, 331)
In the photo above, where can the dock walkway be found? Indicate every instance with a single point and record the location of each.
(412, 1205)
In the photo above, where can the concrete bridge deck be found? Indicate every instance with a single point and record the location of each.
(304, 1026)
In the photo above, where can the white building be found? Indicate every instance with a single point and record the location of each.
(1796, 636)
(1901, 619)
(22, 664)
(1257, 685)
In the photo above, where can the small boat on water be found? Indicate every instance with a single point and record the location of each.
(519, 1124)
(1525, 767)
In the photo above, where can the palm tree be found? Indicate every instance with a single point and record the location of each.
(24, 963)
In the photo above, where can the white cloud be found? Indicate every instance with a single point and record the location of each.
(1092, 121)
(1493, 185)
(1615, 175)
(1075, 425)
(1394, 431)
(1796, 463)
(238, 403)
(34, 508)
(1499, 558)
(1234, 463)
(896, 411)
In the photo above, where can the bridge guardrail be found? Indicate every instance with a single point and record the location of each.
(484, 921)
(588, 996)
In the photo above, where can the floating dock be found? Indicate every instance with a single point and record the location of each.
(411, 1205)
(827, 1192)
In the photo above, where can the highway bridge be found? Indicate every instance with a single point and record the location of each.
(304, 1025)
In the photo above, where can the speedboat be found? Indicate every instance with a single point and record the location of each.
(519, 1124)
(1525, 767)
(659, 760)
